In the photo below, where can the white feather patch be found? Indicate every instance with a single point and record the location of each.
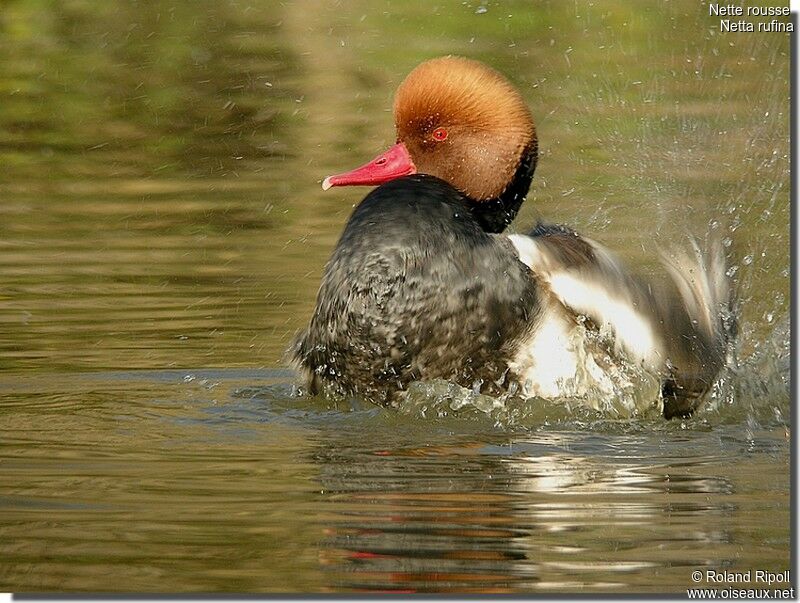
(631, 332)
(554, 362)
(606, 302)
(528, 252)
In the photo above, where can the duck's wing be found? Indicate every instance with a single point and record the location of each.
(704, 307)
(591, 281)
(672, 326)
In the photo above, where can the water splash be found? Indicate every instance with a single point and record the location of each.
(755, 389)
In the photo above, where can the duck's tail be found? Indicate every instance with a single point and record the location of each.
(707, 310)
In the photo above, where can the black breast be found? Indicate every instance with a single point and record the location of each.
(415, 289)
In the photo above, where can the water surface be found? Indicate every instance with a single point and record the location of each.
(162, 236)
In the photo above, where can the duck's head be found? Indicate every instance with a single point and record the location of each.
(463, 122)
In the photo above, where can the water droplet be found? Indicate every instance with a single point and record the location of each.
(481, 10)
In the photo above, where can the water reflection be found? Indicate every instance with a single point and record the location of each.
(224, 480)
(525, 519)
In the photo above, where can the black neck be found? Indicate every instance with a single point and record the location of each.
(495, 214)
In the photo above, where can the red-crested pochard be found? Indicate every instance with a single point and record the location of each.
(421, 285)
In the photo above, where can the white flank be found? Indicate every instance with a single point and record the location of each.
(554, 362)
(547, 363)
(528, 252)
(601, 296)
(617, 318)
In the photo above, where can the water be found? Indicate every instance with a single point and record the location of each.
(162, 236)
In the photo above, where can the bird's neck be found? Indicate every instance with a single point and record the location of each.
(495, 214)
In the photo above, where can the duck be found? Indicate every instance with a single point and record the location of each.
(425, 284)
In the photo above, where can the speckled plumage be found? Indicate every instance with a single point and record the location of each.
(415, 289)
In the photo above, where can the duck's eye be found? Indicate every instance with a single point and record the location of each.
(439, 134)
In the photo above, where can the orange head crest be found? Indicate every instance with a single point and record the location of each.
(456, 119)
